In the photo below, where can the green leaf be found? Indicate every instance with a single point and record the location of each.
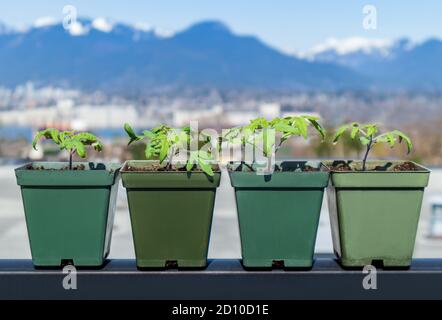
(164, 150)
(391, 139)
(149, 152)
(354, 131)
(204, 155)
(286, 128)
(206, 167)
(80, 149)
(372, 129)
(86, 138)
(340, 132)
(98, 146)
(64, 135)
(403, 137)
(190, 163)
(37, 138)
(131, 133)
(48, 134)
(148, 134)
(301, 125)
(70, 140)
(316, 125)
(54, 135)
(364, 140)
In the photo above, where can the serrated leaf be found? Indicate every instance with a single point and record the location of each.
(148, 134)
(191, 161)
(164, 150)
(301, 125)
(403, 137)
(80, 149)
(54, 135)
(148, 152)
(317, 126)
(340, 132)
(206, 167)
(364, 140)
(204, 155)
(286, 128)
(86, 138)
(372, 129)
(98, 146)
(37, 138)
(354, 132)
(131, 133)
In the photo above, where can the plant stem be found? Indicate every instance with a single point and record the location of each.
(71, 153)
(278, 147)
(249, 166)
(364, 161)
(172, 153)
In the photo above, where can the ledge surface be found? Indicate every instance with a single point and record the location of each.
(222, 280)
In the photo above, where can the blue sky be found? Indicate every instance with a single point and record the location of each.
(286, 24)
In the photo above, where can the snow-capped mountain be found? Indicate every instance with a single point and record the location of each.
(401, 63)
(99, 54)
(82, 27)
(357, 52)
(103, 54)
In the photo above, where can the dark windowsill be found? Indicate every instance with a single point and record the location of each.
(223, 279)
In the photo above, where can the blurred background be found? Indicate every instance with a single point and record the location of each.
(93, 65)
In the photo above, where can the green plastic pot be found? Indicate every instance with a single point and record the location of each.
(69, 214)
(374, 214)
(279, 214)
(171, 214)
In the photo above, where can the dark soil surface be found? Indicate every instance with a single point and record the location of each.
(74, 168)
(160, 168)
(405, 166)
(342, 167)
(306, 168)
(310, 169)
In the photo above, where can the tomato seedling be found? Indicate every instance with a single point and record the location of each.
(260, 131)
(164, 143)
(71, 141)
(367, 135)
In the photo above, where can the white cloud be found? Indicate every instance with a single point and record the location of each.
(163, 33)
(102, 25)
(145, 27)
(45, 22)
(77, 29)
(353, 44)
(21, 28)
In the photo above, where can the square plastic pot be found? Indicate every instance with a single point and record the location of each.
(279, 214)
(374, 214)
(69, 214)
(171, 214)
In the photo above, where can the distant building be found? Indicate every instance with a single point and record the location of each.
(239, 118)
(270, 110)
(291, 111)
(65, 115)
(183, 117)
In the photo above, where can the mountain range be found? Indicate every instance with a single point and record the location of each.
(119, 58)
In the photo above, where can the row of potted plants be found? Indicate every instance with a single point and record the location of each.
(374, 205)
